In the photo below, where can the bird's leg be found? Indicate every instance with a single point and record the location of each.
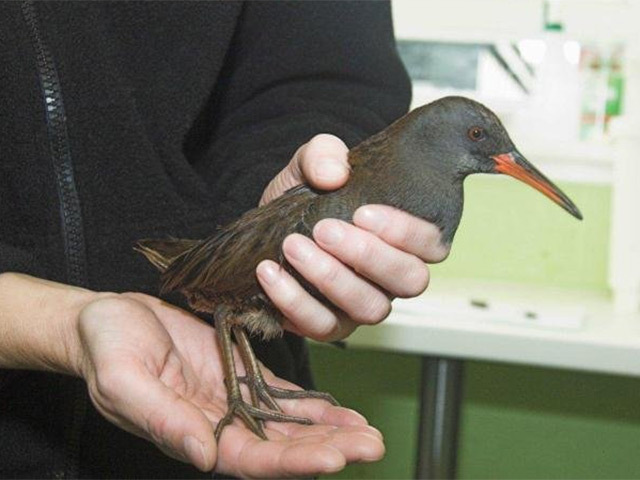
(254, 378)
(256, 382)
(249, 414)
(249, 362)
(234, 396)
(249, 365)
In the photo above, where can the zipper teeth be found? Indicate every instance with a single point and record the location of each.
(71, 215)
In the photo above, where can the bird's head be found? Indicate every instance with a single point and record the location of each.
(465, 137)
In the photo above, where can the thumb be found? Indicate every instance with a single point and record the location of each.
(321, 162)
(176, 426)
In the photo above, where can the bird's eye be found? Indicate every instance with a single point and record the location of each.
(476, 134)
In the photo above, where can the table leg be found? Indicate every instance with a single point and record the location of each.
(440, 398)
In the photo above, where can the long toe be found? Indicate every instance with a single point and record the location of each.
(288, 394)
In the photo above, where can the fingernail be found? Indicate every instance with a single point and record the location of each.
(370, 218)
(329, 170)
(194, 450)
(298, 248)
(329, 232)
(268, 273)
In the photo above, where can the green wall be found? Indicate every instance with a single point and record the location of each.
(518, 422)
(511, 232)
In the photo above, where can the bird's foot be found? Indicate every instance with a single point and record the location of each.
(252, 417)
(267, 392)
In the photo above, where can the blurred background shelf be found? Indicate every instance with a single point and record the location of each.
(514, 323)
(498, 20)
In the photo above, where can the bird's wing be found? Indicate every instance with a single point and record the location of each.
(223, 266)
(163, 252)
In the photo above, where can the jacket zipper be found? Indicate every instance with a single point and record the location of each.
(70, 213)
(71, 216)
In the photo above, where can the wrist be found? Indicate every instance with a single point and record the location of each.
(71, 358)
(39, 324)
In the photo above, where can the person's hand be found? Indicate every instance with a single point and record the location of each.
(156, 371)
(359, 267)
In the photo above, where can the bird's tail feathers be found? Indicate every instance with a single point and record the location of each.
(162, 253)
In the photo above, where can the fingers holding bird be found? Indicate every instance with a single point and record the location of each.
(403, 231)
(362, 301)
(321, 162)
(399, 273)
(306, 315)
(358, 268)
(353, 268)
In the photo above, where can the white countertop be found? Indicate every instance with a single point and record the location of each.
(574, 329)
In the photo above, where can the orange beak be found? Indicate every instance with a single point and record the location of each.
(515, 165)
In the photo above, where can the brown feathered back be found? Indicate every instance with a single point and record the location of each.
(221, 268)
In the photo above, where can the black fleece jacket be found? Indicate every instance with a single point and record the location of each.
(126, 120)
